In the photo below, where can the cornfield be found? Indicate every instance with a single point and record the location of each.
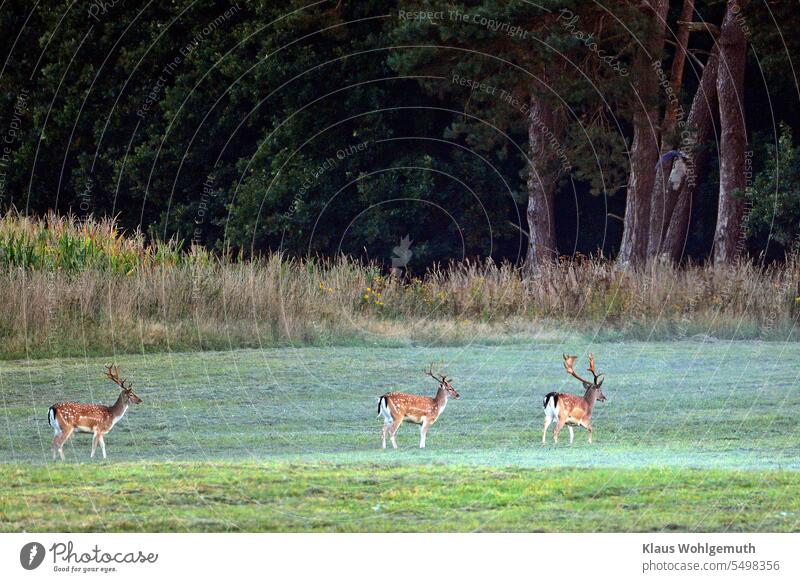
(68, 244)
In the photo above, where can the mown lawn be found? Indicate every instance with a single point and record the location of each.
(224, 496)
(694, 436)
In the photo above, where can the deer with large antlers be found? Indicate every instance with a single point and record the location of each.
(67, 417)
(395, 407)
(570, 409)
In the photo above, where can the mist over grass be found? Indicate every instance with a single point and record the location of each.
(694, 436)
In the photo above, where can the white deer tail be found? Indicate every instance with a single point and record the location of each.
(381, 402)
(51, 419)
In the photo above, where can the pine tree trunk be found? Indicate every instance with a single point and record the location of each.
(545, 127)
(663, 195)
(733, 140)
(685, 175)
(644, 150)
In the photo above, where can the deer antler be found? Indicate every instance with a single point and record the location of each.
(569, 362)
(592, 369)
(429, 372)
(112, 373)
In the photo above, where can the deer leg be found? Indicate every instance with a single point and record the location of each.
(589, 428)
(423, 432)
(571, 434)
(556, 430)
(547, 421)
(56, 437)
(62, 439)
(386, 426)
(102, 445)
(55, 445)
(393, 431)
(95, 440)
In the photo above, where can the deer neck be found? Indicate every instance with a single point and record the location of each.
(590, 397)
(441, 399)
(119, 407)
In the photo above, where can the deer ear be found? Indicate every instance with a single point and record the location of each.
(588, 385)
(600, 382)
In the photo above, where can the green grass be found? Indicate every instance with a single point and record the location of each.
(694, 437)
(227, 496)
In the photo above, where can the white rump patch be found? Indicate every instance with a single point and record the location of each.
(51, 417)
(551, 411)
(387, 416)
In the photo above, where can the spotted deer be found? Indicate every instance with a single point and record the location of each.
(395, 407)
(67, 417)
(570, 409)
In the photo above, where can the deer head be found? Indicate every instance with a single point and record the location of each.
(591, 386)
(112, 373)
(444, 383)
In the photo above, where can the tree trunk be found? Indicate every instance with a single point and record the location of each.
(685, 175)
(673, 114)
(644, 150)
(544, 130)
(733, 140)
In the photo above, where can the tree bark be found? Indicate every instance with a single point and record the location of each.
(733, 140)
(673, 114)
(544, 130)
(685, 175)
(644, 150)
(676, 75)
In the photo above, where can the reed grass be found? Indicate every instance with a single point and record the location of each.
(73, 288)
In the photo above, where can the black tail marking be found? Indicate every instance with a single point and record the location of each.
(51, 415)
(554, 395)
(380, 401)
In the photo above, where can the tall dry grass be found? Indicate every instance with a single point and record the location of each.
(186, 302)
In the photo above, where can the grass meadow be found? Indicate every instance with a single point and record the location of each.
(695, 436)
(260, 380)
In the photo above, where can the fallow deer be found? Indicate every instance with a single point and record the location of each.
(395, 407)
(66, 417)
(572, 410)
